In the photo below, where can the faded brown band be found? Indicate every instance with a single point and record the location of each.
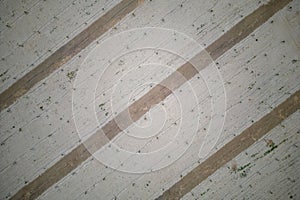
(53, 174)
(245, 27)
(141, 106)
(67, 52)
(233, 148)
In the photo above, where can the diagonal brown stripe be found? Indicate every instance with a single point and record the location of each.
(233, 148)
(53, 174)
(245, 27)
(67, 51)
(141, 106)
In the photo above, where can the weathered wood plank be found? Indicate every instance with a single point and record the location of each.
(269, 169)
(97, 165)
(77, 181)
(63, 139)
(241, 67)
(233, 148)
(66, 52)
(44, 28)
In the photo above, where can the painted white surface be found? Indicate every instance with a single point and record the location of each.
(239, 78)
(267, 175)
(27, 153)
(47, 26)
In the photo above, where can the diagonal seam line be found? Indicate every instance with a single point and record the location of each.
(78, 155)
(233, 148)
(67, 52)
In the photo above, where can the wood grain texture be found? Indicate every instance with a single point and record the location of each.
(269, 169)
(40, 31)
(66, 52)
(53, 174)
(233, 148)
(244, 105)
(245, 27)
(140, 107)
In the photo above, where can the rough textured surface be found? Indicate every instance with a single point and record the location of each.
(269, 169)
(259, 73)
(66, 52)
(234, 147)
